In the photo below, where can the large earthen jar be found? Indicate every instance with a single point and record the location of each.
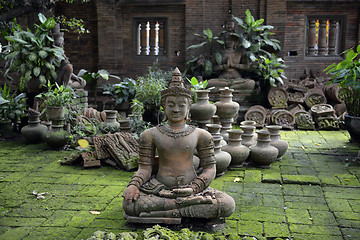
(263, 154)
(223, 159)
(34, 132)
(276, 141)
(239, 153)
(202, 110)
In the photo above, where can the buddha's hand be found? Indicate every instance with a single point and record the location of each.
(182, 192)
(131, 194)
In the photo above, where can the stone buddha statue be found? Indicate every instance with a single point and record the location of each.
(65, 74)
(233, 62)
(175, 191)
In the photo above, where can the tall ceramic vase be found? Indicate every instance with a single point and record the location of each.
(214, 130)
(226, 109)
(276, 141)
(34, 132)
(223, 159)
(202, 111)
(248, 137)
(239, 153)
(263, 154)
(110, 121)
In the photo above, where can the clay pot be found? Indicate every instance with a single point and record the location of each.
(226, 108)
(214, 130)
(247, 122)
(57, 137)
(263, 154)
(111, 120)
(281, 145)
(55, 112)
(202, 111)
(248, 137)
(223, 159)
(34, 132)
(6, 129)
(239, 153)
(125, 125)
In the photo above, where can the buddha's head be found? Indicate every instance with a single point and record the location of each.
(176, 99)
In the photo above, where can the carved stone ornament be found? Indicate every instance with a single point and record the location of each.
(171, 133)
(278, 97)
(322, 110)
(315, 96)
(304, 120)
(283, 118)
(258, 114)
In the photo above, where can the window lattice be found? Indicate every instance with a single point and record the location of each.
(150, 37)
(323, 37)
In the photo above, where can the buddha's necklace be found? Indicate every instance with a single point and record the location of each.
(164, 129)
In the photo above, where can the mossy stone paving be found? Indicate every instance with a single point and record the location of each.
(313, 192)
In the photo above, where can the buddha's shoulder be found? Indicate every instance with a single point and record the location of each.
(202, 133)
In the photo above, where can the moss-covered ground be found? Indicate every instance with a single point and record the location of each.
(312, 193)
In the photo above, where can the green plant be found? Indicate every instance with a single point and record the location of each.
(121, 92)
(271, 69)
(148, 87)
(12, 106)
(347, 74)
(137, 124)
(33, 55)
(255, 38)
(93, 77)
(196, 85)
(202, 64)
(57, 95)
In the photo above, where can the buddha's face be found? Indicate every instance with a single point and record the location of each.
(176, 108)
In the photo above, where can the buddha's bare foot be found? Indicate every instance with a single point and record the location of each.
(167, 214)
(194, 200)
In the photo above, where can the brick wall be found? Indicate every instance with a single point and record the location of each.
(111, 41)
(294, 35)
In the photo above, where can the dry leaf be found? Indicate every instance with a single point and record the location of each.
(95, 212)
(83, 143)
(237, 179)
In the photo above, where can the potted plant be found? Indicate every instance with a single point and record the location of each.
(347, 74)
(55, 99)
(32, 55)
(148, 92)
(12, 107)
(121, 92)
(93, 77)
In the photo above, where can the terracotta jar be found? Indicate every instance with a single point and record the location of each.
(111, 120)
(214, 130)
(263, 154)
(34, 132)
(281, 145)
(223, 159)
(226, 108)
(202, 111)
(248, 137)
(57, 137)
(239, 153)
